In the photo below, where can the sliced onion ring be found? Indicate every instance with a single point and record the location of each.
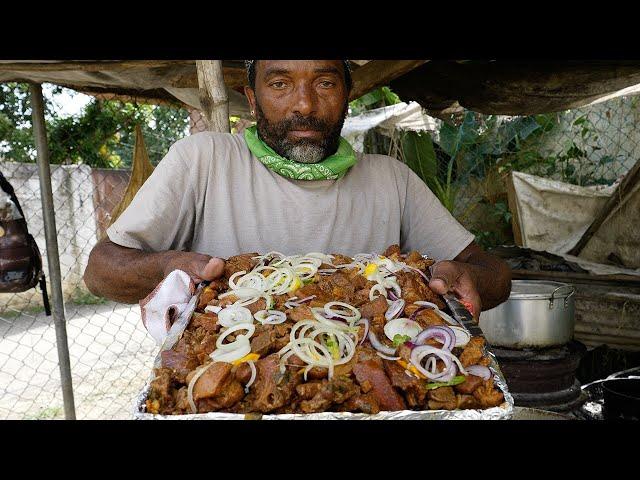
(365, 322)
(443, 334)
(402, 326)
(479, 371)
(380, 347)
(395, 309)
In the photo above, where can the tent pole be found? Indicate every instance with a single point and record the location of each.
(214, 101)
(44, 172)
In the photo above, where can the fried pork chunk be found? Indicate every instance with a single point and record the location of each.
(366, 383)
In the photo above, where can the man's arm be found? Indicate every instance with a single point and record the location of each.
(128, 275)
(474, 276)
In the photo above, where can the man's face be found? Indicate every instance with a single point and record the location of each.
(300, 107)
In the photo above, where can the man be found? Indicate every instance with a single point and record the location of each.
(289, 184)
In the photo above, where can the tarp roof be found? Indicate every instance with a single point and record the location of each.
(498, 87)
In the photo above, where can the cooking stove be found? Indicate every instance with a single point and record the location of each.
(543, 378)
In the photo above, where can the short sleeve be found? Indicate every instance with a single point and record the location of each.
(162, 214)
(427, 226)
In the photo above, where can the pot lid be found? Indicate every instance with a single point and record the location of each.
(539, 289)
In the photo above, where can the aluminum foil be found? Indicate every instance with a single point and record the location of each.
(502, 412)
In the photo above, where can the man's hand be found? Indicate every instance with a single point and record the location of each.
(128, 274)
(457, 277)
(199, 266)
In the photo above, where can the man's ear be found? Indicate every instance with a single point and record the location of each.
(251, 98)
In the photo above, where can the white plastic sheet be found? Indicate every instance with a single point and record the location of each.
(554, 215)
(401, 116)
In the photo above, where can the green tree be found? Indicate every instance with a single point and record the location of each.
(102, 135)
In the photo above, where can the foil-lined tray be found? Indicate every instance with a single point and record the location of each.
(503, 411)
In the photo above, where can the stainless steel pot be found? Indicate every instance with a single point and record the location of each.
(538, 314)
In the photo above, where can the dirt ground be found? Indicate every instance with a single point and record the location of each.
(111, 357)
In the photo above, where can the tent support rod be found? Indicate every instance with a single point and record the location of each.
(53, 258)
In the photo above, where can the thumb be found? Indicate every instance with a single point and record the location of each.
(442, 277)
(212, 270)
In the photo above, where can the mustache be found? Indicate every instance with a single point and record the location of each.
(307, 123)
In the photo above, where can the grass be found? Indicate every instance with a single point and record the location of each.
(47, 414)
(83, 297)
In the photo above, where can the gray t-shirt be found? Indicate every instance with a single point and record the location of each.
(211, 195)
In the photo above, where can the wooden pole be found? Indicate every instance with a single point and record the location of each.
(53, 258)
(619, 196)
(213, 95)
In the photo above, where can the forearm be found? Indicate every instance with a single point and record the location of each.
(124, 274)
(491, 274)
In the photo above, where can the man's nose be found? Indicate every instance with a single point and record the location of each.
(305, 101)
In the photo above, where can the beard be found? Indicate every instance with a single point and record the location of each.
(303, 150)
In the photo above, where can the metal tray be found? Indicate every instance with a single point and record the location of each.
(502, 412)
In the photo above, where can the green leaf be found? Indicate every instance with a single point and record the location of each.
(420, 156)
(332, 345)
(399, 339)
(457, 380)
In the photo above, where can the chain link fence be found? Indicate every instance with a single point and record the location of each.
(111, 353)
(466, 160)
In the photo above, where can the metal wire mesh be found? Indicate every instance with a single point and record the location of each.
(473, 155)
(111, 353)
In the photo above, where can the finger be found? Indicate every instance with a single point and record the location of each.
(439, 286)
(443, 277)
(212, 270)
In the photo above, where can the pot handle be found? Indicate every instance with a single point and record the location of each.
(566, 300)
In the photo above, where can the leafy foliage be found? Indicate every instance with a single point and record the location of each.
(102, 135)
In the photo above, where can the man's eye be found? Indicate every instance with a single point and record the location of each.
(278, 84)
(327, 84)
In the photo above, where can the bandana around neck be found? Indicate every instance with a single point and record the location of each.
(331, 168)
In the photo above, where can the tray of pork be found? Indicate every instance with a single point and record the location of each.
(323, 336)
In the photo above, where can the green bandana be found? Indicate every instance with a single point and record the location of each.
(330, 168)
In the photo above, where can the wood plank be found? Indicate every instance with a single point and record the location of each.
(378, 73)
(618, 197)
(512, 198)
(90, 66)
(233, 77)
(213, 95)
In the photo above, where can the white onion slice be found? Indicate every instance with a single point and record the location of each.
(480, 371)
(233, 315)
(394, 309)
(241, 348)
(426, 304)
(355, 313)
(250, 327)
(387, 357)
(212, 309)
(253, 375)
(232, 278)
(243, 292)
(462, 336)
(192, 383)
(270, 317)
(377, 288)
(402, 326)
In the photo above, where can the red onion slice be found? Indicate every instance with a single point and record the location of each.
(375, 343)
(394, 309)
(364, 321)
(391, 294)
(306, 299)
(440, 333)
(387, 357)
(479, 371)
(419, 271)
(421, 351)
